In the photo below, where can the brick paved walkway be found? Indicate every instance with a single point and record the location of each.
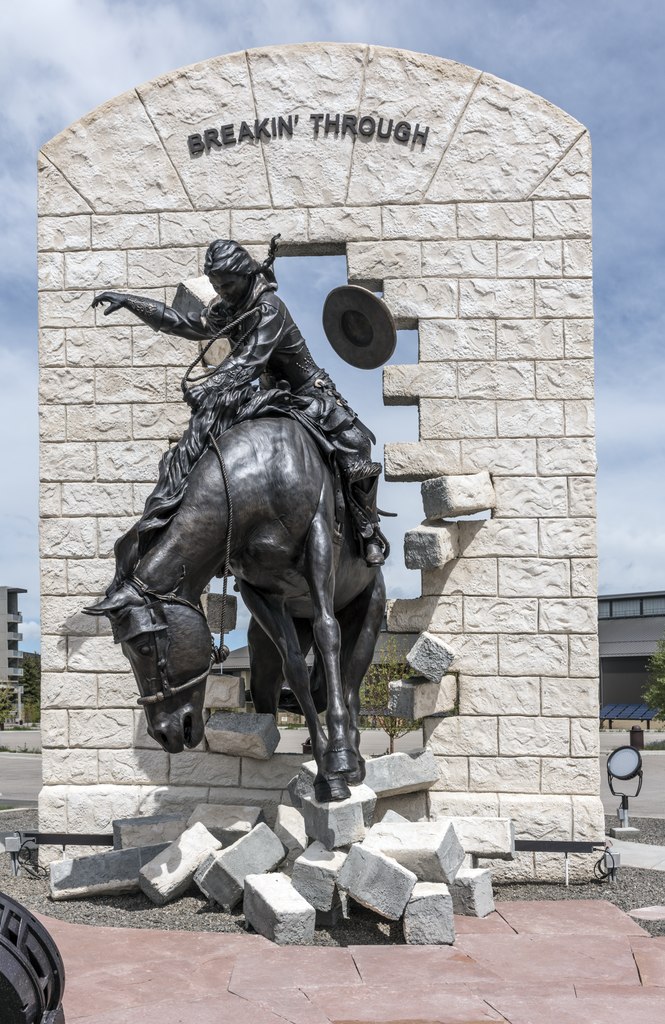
(562, 962)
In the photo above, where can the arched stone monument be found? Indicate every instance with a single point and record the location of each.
(467, 200)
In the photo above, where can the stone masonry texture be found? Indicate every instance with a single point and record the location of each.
(480, 240)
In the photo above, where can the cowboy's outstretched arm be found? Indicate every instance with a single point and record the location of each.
(154, 313)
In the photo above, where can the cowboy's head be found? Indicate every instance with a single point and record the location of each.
(231, 270)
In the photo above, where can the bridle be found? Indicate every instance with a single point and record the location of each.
(155, 624)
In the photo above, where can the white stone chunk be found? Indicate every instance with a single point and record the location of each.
(376, 881)
(275, 909)
(224, 692)
(485, 837)
(221, 876)
(392, 774)
(244, 735)
(418, 698)
(226, 822)
(315, 875)
(290, 828)
(302, 784)
(342, 822)
(430, 547)
(430, 849)
(392, 816)
(428, 917)
(446, 496)
(168, 875)
(155, 828)
(472, 892)
(101, 874)
(430, 657)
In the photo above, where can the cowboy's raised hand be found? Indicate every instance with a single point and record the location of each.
(115, 300)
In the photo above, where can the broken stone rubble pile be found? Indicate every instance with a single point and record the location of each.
(300, 874)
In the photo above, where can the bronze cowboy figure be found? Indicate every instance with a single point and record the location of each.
(266, 345)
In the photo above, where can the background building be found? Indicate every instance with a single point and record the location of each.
(629, 627)
(11, 659)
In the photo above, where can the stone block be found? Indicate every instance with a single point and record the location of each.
(462, 735)
(146, 831)
(430, 547)
(290, 828)
(376, 881)
(469, 576)
(412, 299)
(457, 418)
(168, 875)
(494, 297)
(495, 220)
(113, 873)
(494, 695)
(520, 734)
(530, 259)
(406, 385)
(417, 698)
(392, 816)
(224, 692)
(483, 836)
(302, 784)
(275, 909)
(339, 823)
(531, 496)
(221, 876)
(496, 379)
(571, 177)
(563, 218)
(430, 849)
(412, 806)
(417, 460)
(393, 774)
(472, 892)
(428, 917)
(430, 657)
(534, 577)
(456, 258)
(567, 296)
(504, 774)
(315, 874)
(244, 735)
(533, 655)
(226, 822)
(411, 615)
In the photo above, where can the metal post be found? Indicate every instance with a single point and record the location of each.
(565, 857)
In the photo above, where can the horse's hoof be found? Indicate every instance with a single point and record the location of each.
(357, 777)
(340, 762)
(329, 791)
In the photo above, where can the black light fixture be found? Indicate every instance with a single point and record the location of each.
(623, 765)
(32, 975)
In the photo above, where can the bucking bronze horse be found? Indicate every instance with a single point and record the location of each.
(300, 572)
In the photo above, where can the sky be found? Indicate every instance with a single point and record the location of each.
(603, 61)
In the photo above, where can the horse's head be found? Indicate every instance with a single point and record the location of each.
(168, 644)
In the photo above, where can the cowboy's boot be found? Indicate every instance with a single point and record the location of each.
(364, 482)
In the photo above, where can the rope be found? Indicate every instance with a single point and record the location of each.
(220, 334)
(222, 652)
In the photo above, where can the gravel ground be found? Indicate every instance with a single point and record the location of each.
(652, 830)
(635, 888)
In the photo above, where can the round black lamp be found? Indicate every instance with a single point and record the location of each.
(32, 975)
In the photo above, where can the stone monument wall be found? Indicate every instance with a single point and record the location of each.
(467, 200)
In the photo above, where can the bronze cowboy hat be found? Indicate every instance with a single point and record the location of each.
(359, 326)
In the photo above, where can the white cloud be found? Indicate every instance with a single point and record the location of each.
(603, 62)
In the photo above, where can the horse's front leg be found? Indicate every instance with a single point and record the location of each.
(360, 622)
(340, 760)
(279, 627)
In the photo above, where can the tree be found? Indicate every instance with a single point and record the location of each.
(375, 694)
(6, 704)
(32, 686)
(654, 694)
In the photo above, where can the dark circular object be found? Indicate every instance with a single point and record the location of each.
(32, 974)
(359, 326)
(624, 763)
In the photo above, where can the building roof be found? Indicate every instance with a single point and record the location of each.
(634, 594)
(636, 636)
(388, 646)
